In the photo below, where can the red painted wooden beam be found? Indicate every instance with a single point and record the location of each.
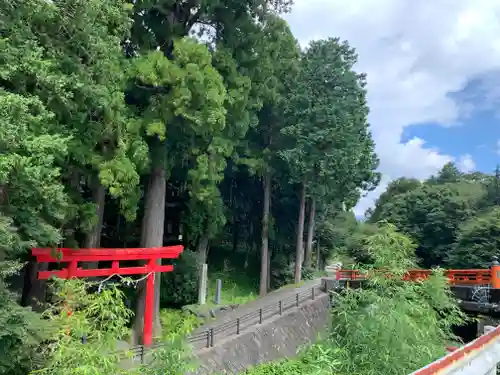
(89, 255)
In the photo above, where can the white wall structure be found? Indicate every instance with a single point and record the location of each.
(480, 357)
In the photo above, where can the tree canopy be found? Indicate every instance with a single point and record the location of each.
(451, 216)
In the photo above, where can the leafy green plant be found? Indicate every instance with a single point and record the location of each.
(478, 241)
(22, 329)
(391, 326)
(283, 273)
(178, 322)
(86, 327)
(180, 287)
(172, 358)
(317, 359)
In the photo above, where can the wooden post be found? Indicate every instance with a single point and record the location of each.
(495, 274)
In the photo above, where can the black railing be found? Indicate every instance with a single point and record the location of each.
(206, 338)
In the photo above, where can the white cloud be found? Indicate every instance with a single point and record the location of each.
(416, 53)
(466, 164)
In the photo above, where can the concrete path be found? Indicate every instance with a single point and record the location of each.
(225, 325)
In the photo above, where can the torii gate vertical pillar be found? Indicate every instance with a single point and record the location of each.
(151, 255)
(149, 309)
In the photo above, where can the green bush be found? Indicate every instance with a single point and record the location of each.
(180, 287)
(22, 329)
(100, 317)
(317, 359)
(178, 322)
(283, 272)
(391, 326)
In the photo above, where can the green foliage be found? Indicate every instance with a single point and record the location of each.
(492, 197)
(75, 68)
(172, 358)
(22, 330)
(214, 116)
(180, 287)
(283, 272)
(29, 177)
(397, 187)
(432, 213)
(448, 174)
(369, 324)
(101, 318)
(236, 288)
(330, 144)
(478, 241)
(447, 216)
(342, 235)
(316, 359)
(178, 323)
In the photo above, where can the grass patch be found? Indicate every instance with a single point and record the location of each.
(236, 290)
(178, 322)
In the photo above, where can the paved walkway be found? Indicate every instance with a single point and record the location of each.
(225, 325)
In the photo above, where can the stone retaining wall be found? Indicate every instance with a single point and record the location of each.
(279, 337)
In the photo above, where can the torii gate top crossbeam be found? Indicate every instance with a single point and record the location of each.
(74, 256)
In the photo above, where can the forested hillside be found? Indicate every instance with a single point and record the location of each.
(453, 217)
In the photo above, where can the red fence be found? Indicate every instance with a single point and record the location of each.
(455, 277)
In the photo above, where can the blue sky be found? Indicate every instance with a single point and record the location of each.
(433, 71)
(476, 136)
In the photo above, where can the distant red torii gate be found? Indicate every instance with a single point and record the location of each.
(74, 256)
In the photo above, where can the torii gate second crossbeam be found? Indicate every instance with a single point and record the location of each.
(150, 255)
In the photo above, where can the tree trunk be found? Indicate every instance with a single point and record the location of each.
(152, 229)
(234, 214)
(264, 258)
(318, 255)
(202, 249)
(33, 289)
(235, 233)
(310, 233)
(269, 270)
(93, 238)
(249, 245)
(300, 234)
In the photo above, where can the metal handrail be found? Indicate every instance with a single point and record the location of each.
(234, 326)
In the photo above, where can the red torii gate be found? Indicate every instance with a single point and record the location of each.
(150, 254)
